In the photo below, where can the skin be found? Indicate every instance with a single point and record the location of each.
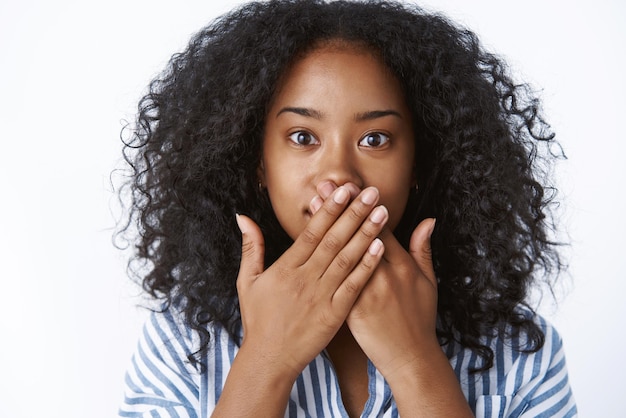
(338, 166)
(339, 116)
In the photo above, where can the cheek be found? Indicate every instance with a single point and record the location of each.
(288, 196)
(395, 185)
(395, 201)
(289, 215)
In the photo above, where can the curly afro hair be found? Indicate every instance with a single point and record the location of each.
(482, 157)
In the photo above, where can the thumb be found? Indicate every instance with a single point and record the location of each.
(252, 248)
(420, 250)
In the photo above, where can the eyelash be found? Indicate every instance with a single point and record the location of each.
(296, 136)
(381, 136)
(299, 137)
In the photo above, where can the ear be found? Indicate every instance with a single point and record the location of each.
(260, 173)
(414, 184)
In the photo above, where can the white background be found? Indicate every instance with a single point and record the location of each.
(72, 71)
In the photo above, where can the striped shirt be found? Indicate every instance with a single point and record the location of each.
(161, 382)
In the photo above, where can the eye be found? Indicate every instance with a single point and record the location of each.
(374, 140)
(303, 138)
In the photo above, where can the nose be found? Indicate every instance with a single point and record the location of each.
(339, 164)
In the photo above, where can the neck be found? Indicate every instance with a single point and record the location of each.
(350, 363)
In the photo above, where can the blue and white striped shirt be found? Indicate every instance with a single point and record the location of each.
(162, 383)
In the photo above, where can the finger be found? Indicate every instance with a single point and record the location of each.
(347, 259)
(353, 189)
(352, 221)
(420, 250)
(315, 204)
(349, 290)
(394, 251)
(326, 188)
(318, 226)
(252, 248)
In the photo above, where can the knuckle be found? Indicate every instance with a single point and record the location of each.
(406, 272)
(309, 237)
(356, 211)
(298, 287)
(368, 233)
(332, 210)
(247, 248)
(328, 320)
(331, 242)
(284, 273)
(368, 264)
(351, 287)
(343, 262)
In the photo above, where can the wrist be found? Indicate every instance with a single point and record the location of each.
(430, 375)
(267, 365)
(417, 367)
(254, 384)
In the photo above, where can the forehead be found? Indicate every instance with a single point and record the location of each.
(339, 69)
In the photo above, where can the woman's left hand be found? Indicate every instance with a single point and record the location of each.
(394, 318)
(394, 322)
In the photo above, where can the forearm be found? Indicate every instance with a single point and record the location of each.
(253, 385)
(428, 387)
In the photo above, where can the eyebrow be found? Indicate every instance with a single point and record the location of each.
(359, 117)
(302, 111)
(375, 114)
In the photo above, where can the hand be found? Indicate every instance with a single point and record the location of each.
(394, 318)
(394, 323)
(293, 309)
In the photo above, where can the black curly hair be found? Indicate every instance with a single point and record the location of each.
(483, 155)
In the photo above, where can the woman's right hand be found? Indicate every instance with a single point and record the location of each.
(292, 310)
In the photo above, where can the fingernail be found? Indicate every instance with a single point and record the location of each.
(379, 215)
(341, 196)
(326, 189)
(240, 223)
(316, 204)
(432, 228)
(375, 247)
(353, 189)
(369, 196)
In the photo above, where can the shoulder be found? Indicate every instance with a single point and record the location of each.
(162, 378)
(520, 383)
(167, 333)
(164, 348)
(539, 380)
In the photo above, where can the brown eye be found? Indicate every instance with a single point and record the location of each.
(303, 138)
(374, 140)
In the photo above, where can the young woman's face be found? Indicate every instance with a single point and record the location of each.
(338, 115)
